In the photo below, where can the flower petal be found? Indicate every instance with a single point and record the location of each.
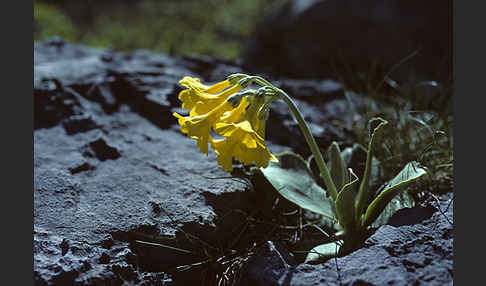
(218, 87)
(237, 113)
(208, 102)
(197, 92)
(199, 127)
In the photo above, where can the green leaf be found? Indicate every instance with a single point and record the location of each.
(363, 194)
(337, 167)
(345, 204)
(294, 181)
(411, 172)
(402, 200)
(323, 252)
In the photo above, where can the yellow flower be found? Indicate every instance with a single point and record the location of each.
(210, 109)
(199, 127)
(244, 139)
(237, 113)
(200, 98)
(243, 143)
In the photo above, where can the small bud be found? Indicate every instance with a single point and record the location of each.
(235, 78)
(235, 99)
(261, 91)
(245, 82)
(265, 91)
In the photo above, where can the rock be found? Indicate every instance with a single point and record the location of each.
(418, 252)
(71, 262)
(78, 123)
(266, 266)
(336, 38)
(52, 104)
(99, 171)
(113, 198)
(211, 69)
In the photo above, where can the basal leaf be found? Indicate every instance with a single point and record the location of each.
(294, 181)
(345, 203)
(411, 172)
(400, 201)
(338, 168)
(323, 252)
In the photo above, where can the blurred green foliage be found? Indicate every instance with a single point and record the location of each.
(49, 21)
(215, 28)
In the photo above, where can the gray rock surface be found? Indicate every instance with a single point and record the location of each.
(95, 185)
(414, 248)
(102, 171)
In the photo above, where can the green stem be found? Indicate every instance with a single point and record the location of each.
(260, 80)
(326, 176)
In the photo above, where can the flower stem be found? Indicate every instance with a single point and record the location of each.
(326, 176)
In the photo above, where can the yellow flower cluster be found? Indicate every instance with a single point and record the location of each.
(210, 110)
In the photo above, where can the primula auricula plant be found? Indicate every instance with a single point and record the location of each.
(239, 115)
